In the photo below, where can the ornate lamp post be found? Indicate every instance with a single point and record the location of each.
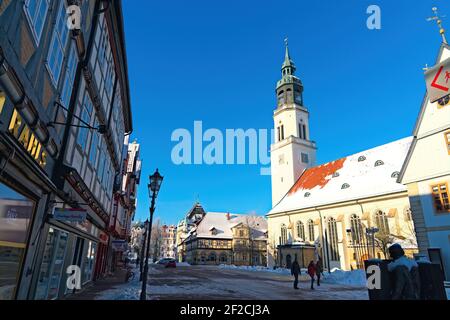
(153, 189)
(141, 264)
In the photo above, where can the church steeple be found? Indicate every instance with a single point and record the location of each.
(289, 88)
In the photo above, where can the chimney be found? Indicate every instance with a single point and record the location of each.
(228, 216)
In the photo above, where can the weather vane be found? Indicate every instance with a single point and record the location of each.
(438, 20)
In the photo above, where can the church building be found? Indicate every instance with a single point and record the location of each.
(344, 211)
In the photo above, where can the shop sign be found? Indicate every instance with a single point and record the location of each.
(22, 132)
(69, 214)
(103, 237)
(119, 245)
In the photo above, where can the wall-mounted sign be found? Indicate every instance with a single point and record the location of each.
(69, 214)
(22, 132)
(438, 81)
(119, 245)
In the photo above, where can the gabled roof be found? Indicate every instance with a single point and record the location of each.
(444, 47)
(220, 222)
(369, 173)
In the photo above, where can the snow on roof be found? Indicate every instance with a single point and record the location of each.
(364, 174)
(220, 222)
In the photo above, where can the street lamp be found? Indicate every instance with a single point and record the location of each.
(371, 232)
(153, 189)
(141, 264)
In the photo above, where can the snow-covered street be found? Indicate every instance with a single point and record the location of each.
(213, 282)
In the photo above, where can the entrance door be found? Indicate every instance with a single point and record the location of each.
(52, 265)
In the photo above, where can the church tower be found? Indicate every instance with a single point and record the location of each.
(293, 151)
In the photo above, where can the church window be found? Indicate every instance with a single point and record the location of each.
(311, 230)
(395, 174)
(361, 158)
(332, 228)
(304, 157)
(379, 163)
(447, 140)
(356, 229)
(279, 133)
(304, 132)
(283, 237)
(300, 231)
(382, 222)
(282, 132)
(300, 131)
(408, 214)
(440, 197)
(345, 186)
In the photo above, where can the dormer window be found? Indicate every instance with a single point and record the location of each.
(379, 163)
(361, 158)
(395, 174)
(345, 186)
(335, 175)
(307, 194)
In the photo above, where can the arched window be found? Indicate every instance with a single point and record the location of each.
(300, 230)
(382, 222)
(283, 234)
(378, 163)
(356, 228)
(333, 235)
(312, 236)
(408, 214)
(223, 258)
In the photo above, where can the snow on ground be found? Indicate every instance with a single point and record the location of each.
(350, 278)
(183, 264)
(337, 276)
(127, 291)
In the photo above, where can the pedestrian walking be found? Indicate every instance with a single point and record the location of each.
(319, 270)
(312, 272)
(295, 271)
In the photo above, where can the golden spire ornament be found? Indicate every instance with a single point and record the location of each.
(438, 20)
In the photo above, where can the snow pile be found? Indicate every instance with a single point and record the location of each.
(350, 278)
(256, 268)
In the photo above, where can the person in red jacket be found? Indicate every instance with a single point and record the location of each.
(312, 272)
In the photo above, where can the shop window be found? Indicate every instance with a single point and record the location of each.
(89, 260)
(16, 212)
(440, 197)
(52, 265)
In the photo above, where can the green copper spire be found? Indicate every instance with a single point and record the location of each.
(288, 64)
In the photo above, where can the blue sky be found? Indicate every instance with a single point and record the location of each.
(218, 62)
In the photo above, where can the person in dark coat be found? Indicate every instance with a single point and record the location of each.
(319, 270)
(312, 271)
(406, 275)
(295, 271)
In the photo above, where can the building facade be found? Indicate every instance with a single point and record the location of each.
(64, 110)
(184, 228)
(426, 173)
(224, 238)
(326, 211)
(168, 242)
